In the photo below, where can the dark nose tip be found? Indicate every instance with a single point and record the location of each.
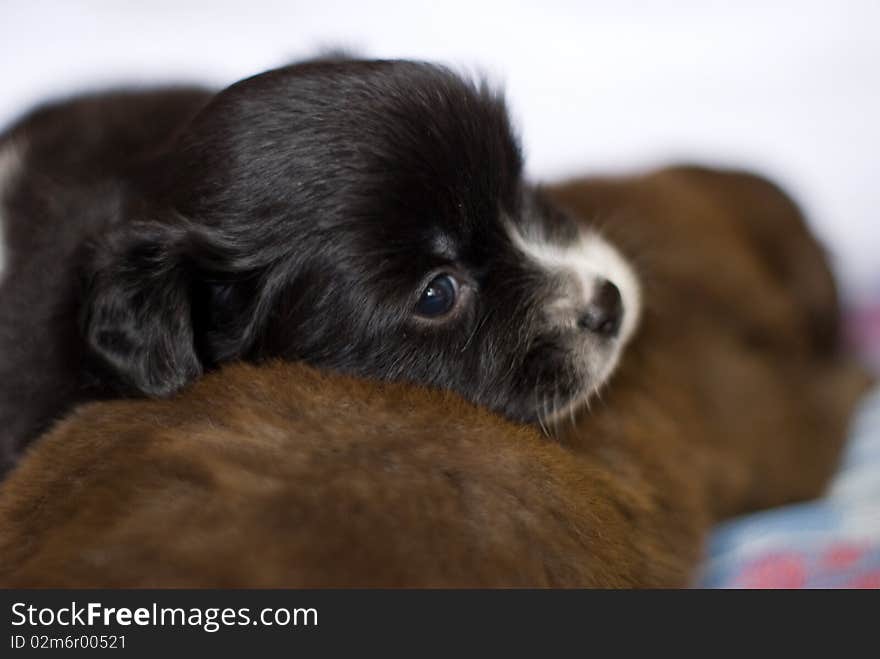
(605, 311)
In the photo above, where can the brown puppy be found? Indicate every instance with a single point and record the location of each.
(733, 396)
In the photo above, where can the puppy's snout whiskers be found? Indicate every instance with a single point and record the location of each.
(476, 329)
(571, 417)
(557, 400)
(550, 411)
(538, 411)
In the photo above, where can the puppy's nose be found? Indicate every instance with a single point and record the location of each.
(605, 312)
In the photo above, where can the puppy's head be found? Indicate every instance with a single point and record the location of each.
(366, 217)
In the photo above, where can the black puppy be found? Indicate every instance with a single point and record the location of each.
(364, 216)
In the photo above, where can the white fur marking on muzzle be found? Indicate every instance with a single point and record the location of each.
(591, 259)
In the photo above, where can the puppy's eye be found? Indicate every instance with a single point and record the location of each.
(439, 297)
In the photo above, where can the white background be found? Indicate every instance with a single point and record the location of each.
(791, 87)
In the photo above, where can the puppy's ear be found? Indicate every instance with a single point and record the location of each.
(137, 311)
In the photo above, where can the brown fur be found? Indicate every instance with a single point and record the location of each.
(732, 397)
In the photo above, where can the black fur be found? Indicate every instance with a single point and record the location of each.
(297, 214)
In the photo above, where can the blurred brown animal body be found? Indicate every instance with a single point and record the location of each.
(733, 396)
